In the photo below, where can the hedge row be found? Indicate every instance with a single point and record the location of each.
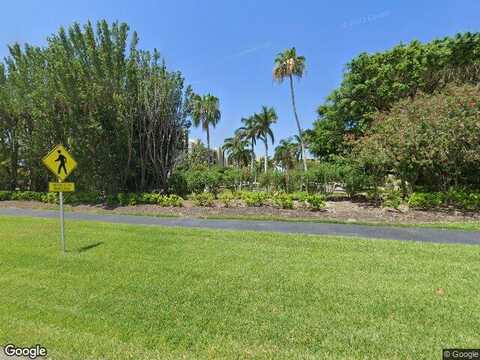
(260, 198)
(94, 198)
(457, 199)
(227, 198)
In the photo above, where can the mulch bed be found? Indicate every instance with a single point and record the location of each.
(335, 210)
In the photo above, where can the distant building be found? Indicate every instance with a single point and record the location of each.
(219, 158)
(216, 154)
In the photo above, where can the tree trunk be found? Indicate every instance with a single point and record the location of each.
(252, 165)
(266, 155)
(13, 161)
(252, 162)
(298, 124)
(209, 156)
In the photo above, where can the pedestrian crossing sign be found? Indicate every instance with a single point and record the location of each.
(60, 162)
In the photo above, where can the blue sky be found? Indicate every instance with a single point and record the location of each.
(227, 48)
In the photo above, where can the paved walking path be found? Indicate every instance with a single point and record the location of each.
(366, 231)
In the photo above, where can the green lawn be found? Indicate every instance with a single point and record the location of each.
(127, 292)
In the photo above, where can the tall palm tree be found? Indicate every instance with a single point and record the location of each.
(264, 121)
(297, 142)
(287, 65)
(249, 131)
(237, 149)
(206, 113)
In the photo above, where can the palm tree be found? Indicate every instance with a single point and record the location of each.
(206, 113)
(286, 154)
(236, 149)
(297, 142)
(288, 65)
(264, 121)
(249, 132)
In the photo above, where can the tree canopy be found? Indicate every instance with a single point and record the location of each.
(374, 82)
(119, 110)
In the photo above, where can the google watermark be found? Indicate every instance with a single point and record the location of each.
(469, 354)
(32, 352)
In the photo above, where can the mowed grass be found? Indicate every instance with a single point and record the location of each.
(129, 292)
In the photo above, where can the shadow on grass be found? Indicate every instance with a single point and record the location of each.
(89, 247)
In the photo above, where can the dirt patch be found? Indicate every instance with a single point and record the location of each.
(335, 210)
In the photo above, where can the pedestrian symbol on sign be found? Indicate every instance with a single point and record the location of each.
(61, 160)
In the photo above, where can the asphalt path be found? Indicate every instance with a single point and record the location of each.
(313, 228)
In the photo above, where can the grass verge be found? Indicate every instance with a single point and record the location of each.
(129, 292)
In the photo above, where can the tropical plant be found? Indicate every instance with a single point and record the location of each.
(265, 119)
(205, 112)
(249, 131)
(287, 65)
(286, 154)
(236, 149)
(316, 202)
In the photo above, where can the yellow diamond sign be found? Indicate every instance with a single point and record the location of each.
(60, 162)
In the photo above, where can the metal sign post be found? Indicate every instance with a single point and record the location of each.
(61, 163)
(62, 226)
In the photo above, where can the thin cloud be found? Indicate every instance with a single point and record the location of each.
(236, 55)
(250, 50)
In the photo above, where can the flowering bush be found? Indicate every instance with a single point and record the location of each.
(430, 141)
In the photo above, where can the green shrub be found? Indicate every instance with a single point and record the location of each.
(458, 199)
(462, 199)
(125, 199)
(76, 198)
(283, 200)
(199, 181)
(26, 196)
(320, 176)
(170, 200)
(233, 177)
(355, 181)
(299, 196)
(148, 198)
(227, 198)
(316, 202)
(425, 201)
(254, 198)
(205, 199)
(111, 200)
(5, 195)
(51, 198)
(177, 184)
(239, 195)
(392, 198)
(273, 181)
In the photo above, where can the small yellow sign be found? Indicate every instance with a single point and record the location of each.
(61, 187)
(60, 162)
